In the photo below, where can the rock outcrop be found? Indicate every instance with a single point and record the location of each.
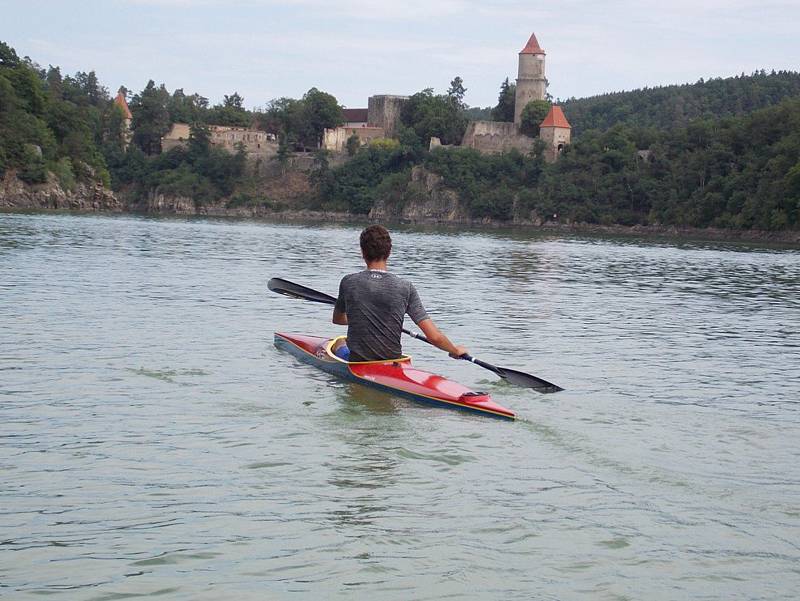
(16, 194)
(426, 200)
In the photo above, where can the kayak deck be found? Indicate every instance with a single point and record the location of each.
(396, 376)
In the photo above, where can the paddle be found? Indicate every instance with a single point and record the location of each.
(513, 376)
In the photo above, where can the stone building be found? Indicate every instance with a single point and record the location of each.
(256, 143)
(355, 117)
(379, 120)
(384, 111)
(335, 140)
(501, 136)
(555, 131)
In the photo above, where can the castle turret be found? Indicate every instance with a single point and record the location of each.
(531, 82)
(555, 131)
(127, 116)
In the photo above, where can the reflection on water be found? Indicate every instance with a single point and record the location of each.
(153, 442)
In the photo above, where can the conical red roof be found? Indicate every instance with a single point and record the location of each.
(555, 118)
(532, 47)
(121, 103)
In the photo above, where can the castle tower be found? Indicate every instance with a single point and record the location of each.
(126, 113)
(531, 82)
(555, 131)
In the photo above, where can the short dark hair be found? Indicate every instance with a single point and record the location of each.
(376, 243)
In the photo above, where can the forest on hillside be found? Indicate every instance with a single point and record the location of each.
(722, 152)
(677, 105)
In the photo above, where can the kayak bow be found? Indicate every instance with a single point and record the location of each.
(395, 376)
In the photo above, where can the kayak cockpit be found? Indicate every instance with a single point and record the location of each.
(334, 343)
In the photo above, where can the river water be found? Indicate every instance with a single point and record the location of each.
(154, 442)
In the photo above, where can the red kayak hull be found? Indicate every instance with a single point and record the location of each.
(397, 376)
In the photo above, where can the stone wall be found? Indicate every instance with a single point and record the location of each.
(495, 137)
(257, 144)
(384, 111)
(335, 140)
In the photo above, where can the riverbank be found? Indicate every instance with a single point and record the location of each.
(791, 238)
(440, 208)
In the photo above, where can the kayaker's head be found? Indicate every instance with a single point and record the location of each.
(376, 244)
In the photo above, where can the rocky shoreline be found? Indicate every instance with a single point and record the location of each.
(443, 210)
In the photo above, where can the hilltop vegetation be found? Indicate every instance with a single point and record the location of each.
(722, 153)
(677, 105)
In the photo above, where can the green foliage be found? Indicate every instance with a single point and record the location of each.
(456, 92)
(476, 113)
(485, 182)
(675, 106)
(48, 122)
(504, 111)
(34, 170)
(352, 145)
(231, 112)
(62, 169)
(355, 185)
(532, 115)
(429, 115)
(302, 123)
(321, 112)
(191, 108)
(151, 120)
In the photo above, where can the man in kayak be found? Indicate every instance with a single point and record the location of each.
(372, 304)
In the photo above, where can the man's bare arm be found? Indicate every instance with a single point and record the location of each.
(339, 318)
(434, 335)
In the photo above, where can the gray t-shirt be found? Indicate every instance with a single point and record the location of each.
(376, 303)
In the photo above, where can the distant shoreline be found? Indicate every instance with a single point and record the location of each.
(786, 237)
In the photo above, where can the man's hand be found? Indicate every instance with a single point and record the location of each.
(460, 350)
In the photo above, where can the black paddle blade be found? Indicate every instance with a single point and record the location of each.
(288, 288)
(520, 378)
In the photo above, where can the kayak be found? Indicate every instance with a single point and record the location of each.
(396, 376)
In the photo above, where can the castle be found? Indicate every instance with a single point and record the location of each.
(500, 136)
(381, 119)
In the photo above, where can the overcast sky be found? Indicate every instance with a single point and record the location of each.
(355, 48)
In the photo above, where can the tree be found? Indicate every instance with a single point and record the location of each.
(352, 145)
(504, 111)
(8, 56)
(150, 117)
(230, 112)
(234, 101)
(321, 111)
(199, 140)
(54, 82)
(185, 108)
(456, 92)
(430, 116)
(532, 115)
(284, 153)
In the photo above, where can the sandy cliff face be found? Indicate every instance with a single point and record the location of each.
(15, 194)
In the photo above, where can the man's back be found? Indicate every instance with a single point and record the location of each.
(375, 303)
